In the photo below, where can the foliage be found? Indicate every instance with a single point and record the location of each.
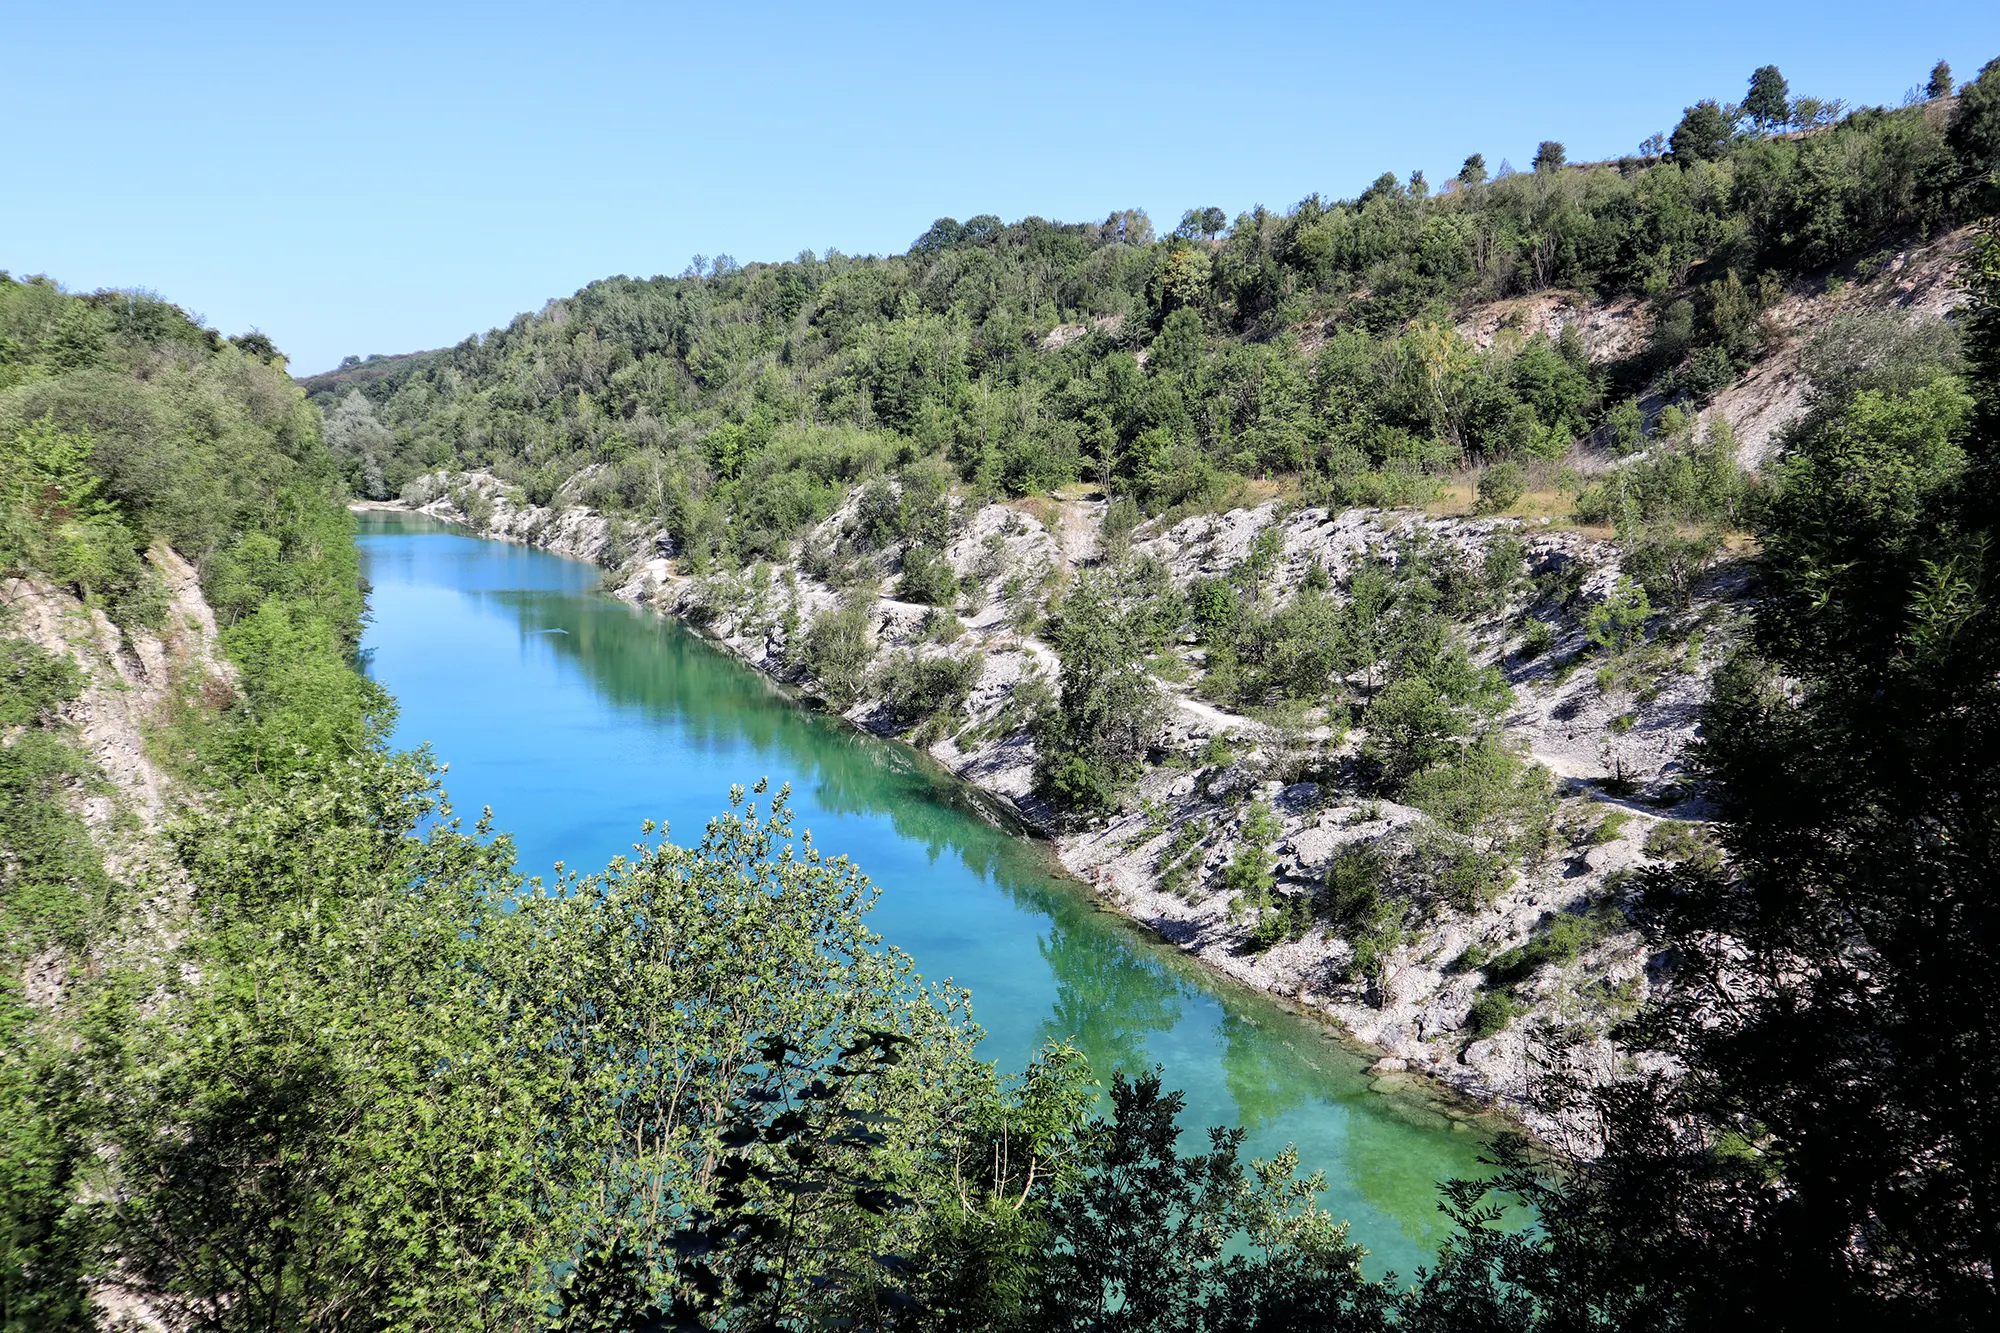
(736, 405)
(1431, 712)
(927, 577)
(837, 649)
(1144, 1242)
(1109, 708)
(919, 689)
(1820, 1159)
(1249, 871)
(1362, 910)
(1619, 620)
(1500, 488)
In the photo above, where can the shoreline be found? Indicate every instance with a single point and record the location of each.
(1413, 1025)
(1387, 1074)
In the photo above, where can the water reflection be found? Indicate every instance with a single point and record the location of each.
(1109, 999)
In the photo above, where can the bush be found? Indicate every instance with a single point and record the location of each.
(1491, 1012)
(1109, 711)
(1249, 871)
(1488, 791)
(837, 650)
(927, 577)
(1539, 638)
(1619, 621)
(1625, 425)
(1213, 609)
(928, 690)
(1289, 917)
(1501, 487)
(1678, 840)
(1668, 563)
(941, 626)
(1121, 517)
(1609, 827)
(1566, 937)
(1359, 906)
(1456, 872)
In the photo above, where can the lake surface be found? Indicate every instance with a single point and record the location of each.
(576, 717)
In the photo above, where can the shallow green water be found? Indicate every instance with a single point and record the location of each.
(575, 717)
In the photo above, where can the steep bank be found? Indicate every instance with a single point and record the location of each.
(1214, 764)
(133, 893)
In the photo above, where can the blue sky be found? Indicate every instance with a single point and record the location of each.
(376, 178)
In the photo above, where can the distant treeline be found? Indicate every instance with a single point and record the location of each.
(737, 404)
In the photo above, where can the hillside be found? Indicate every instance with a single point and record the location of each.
(1342, 591)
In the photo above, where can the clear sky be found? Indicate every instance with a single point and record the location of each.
(361, 178)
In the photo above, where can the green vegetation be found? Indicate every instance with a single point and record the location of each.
(1109, 710)
(837, 649)
(928, 693)
(1362, 912)
(733, 405)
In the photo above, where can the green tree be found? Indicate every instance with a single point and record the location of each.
(1549, 156)
(1141, 1246)
(1618, 621)
(1474, 171)
(1768, 102)
(1827, 1157)
(1940, 81)
(1703, 135)
(1109, 709)
(1974, 140)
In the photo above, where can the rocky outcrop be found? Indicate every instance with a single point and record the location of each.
(132, 679)
(1596, 739)
(482, 502)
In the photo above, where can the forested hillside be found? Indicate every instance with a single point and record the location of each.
(1321, 343)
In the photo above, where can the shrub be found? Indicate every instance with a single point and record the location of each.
(1456, 872)
(1566, 937)
(1121, 516)
(1617, 622)
(1504, 570)
(1625, 425)
(1501, 487)
(838, 648)
(1491, 1012)
(924, 690)
(1667, 563)
(941, 626)
(1287, 918)
(878, 515)
(1360, 908)
(1539, 638)
(927, 577)
(1678, 840)
(1487, 791)
(1109, 711)
(1249, 871)
(1214, 609)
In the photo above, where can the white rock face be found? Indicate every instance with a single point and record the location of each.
(129, 680)
(1006, 556)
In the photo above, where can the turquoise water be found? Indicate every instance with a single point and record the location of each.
(576, 717)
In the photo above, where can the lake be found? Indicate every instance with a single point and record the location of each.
(576, 717)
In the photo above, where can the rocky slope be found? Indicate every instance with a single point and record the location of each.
(132, 680)
(1610, 734)
(1216, 762)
